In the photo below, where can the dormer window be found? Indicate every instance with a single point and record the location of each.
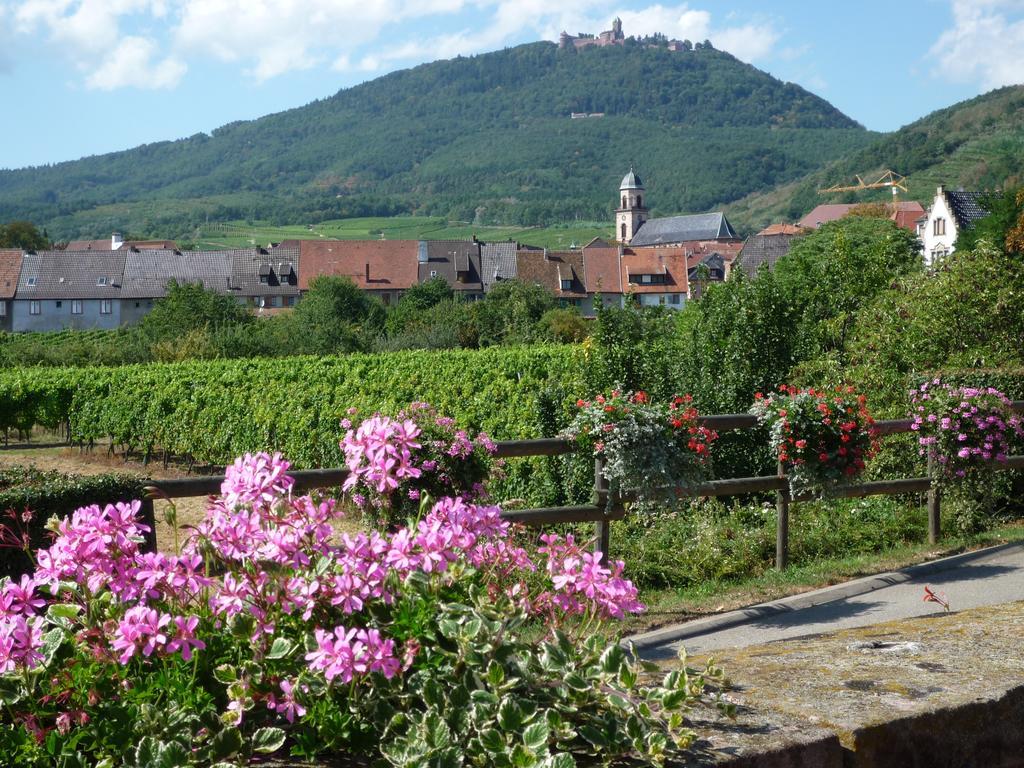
(100, 282)
(567, 284)
(31, 282)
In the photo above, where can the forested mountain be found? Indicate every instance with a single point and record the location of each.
(487, 138)
(977, 144)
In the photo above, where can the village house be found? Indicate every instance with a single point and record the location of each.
(602, 274)
(767, 247)
(904, 213)
(559, 272)
(497, 263)
(457, 262)
(59, 290)
(117, 242)
(951, 212)
(10, 269)
(382, 268)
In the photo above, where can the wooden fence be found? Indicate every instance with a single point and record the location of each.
(601, 511)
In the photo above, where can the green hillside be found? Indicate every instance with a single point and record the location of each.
(486, 139)
(976, 144)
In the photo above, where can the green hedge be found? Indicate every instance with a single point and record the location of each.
(49, 494)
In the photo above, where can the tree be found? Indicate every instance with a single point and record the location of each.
(1003, 228)
(415, 301)
(509, 313)
(564, 325)
(190, 307)
(24, 235)
(336, 316)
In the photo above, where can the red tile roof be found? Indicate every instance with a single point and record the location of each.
(670, 262)
(10, 269)
(906, 211)
(373, 265)
(549, 268)
(602, 272)
(783, 229)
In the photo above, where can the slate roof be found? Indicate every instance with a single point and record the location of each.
(278, 266)
(71, 275)
(448, 258)
(763, 249)
(497, 263)
(10, 268)
(679, 229)
(147, 272)
(373, 265)
(631, 181)
(965, 207)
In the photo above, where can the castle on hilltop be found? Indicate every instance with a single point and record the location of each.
(613, 36)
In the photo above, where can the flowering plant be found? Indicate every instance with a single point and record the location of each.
(963, 428)
(651, 447)
(394, 462)
(821, 438)
(269, 631)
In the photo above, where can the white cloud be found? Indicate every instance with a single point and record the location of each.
(135, 63)
(983, 46)
(144, 43)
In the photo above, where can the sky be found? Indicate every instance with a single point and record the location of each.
(83, 77)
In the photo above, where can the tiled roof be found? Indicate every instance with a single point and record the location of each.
(259, 272)
(88, 245)
(763, 249)
(549, 268)
(670, 262)
(374, 265)
(601, 268)
(965, 207)
(497, 262)
(10, 268)
(827, 212)
(678, 229)
(147, 272)
(449, 258)
(783, 229)
(71, 275)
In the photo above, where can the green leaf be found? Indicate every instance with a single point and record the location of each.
(510, 716)
(225, 673)
(280, 648)
(612, 659)
(492, 740)
(145, 751)
(268, 740)
(495, 674)
(594, 736)
(63, 610)
(226, 743)
(619, 702)
(535, 737)
(521, 758)
(561, 760)
(171, 755)
(576, 682)
(51, 644)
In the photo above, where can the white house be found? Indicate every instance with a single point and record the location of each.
(950, 213)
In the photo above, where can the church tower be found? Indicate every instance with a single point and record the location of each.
(631, 212)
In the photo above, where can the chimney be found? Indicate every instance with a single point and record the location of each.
(421, 253)
(116, 241)
(367, 272)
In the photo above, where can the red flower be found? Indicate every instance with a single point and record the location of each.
(801, 444)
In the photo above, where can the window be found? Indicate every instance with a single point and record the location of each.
(291, 301)
(138, 304)
(277, 301)
(265, 279)
(76, 306)
(623, 230)
(623, 201)
(35, 308)
(3, 309)
(106, 306)
(940, 227)
(60, 304)
(433, 273)
(31, 282)
(567, 284)
(673, 299)
(101, 281)
(639, 202)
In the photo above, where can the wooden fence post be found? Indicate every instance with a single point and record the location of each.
(934, 502)
(148, 518)
(602, 528)
(782, 524)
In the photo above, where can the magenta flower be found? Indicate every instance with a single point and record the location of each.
(185, 638)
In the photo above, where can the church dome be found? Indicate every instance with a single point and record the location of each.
(631, 181)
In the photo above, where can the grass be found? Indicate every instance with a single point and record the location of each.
(239, 234)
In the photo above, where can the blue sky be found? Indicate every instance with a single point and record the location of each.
(82, 77)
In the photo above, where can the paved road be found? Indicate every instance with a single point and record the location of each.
(986, 577)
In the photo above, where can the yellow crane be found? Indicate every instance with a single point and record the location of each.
(887, 179)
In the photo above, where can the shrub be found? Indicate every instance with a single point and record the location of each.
(442, 643)
(50, 494)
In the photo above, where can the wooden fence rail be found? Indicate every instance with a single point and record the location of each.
(601, 512)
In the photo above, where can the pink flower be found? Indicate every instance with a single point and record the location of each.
(141, 629)
(286, 705)
(185, 638)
